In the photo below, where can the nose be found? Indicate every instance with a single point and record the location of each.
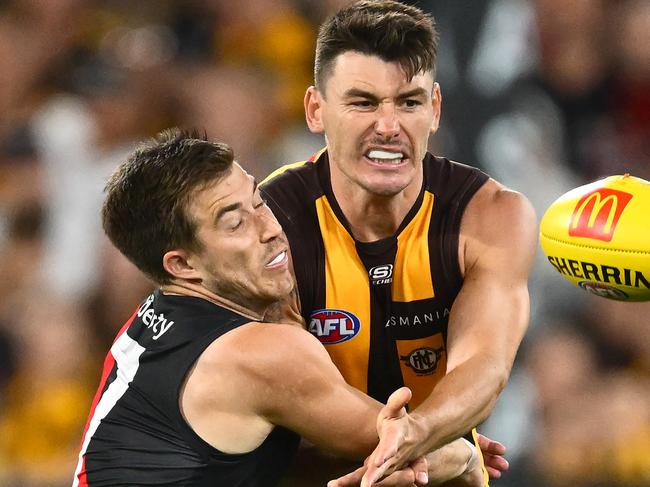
(387, 124)
(268, 225)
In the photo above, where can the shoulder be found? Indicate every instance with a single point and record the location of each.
(290, 189)
(498, 221)
(265, 351)
(452, 181)
(294, 173)
(499, 202)
(274, 176)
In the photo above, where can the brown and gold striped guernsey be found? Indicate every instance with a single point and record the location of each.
(380, 308)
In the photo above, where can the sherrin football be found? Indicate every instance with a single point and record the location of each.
(598, 237)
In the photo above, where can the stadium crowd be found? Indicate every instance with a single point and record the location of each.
(544, 95)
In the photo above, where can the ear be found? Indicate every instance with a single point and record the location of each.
(314, 110)
(436, 102)
(178, 264)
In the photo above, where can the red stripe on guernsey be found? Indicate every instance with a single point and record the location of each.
(123, 351)
(316, 155)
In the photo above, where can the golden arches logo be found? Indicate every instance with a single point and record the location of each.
(597, 213)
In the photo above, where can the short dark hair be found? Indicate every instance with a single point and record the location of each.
(145, 213)
(385, 28)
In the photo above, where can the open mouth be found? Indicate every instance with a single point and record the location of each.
(278, 260)
(386, 158)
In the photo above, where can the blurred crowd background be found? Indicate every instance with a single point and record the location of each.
(544, 95)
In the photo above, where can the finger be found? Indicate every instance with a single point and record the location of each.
(493, 473)
(349, 480)
(420, 468)
(490, 446)
(495, 461)
(375, 473)
(399, 478)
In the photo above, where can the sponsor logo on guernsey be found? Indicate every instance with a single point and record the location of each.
(432, 317)
(597, 213)
(157, 323)
(381, 274)
(423, 360)
(332, 326)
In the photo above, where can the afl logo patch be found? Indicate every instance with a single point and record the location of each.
(381, 274)
(423, 360)
(333, 325)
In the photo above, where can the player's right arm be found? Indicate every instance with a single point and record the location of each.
(260, 375)
(299, 387)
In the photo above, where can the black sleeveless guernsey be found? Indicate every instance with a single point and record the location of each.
(136, 434)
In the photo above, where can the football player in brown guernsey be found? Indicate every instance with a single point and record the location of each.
(196, 390)
(411, 269)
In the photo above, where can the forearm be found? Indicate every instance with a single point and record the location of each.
(461, 400)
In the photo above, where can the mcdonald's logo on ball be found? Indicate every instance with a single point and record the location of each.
(597, 214)
(597, 236)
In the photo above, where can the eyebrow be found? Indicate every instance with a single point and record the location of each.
(419, 91)
(234, 206)
(359, 93)
(226, 209)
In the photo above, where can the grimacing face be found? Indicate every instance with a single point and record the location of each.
(377, 123)
(245, 252)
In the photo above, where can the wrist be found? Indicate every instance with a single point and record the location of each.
(472, 460)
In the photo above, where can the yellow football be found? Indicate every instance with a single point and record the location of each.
(598, 237)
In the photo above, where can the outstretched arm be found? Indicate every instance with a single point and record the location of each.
(260, 375)
(305, 392)
(486, 325)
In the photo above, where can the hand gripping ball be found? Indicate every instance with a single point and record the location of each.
(598, 237)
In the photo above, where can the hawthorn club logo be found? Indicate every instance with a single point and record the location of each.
(423, 360)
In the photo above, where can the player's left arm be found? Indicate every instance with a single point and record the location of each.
(486, 325)
(490, 315)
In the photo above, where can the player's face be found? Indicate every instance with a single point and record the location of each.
(377, 122)
(245, 252)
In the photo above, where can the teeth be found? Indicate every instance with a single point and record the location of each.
(380, 154)
(278, 258)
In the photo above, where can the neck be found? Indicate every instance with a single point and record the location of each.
(372, 217)
(199, 291)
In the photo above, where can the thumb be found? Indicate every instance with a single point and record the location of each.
(397, 400)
